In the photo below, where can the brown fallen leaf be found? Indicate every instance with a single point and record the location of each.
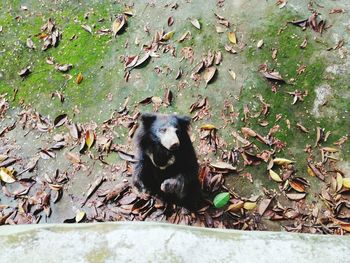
(273, 75)
(64, 67)
(118, 24)
(170, 21)
(96, 184)
(73, 157)
(60, 120)
(30, 43)
(209, 74)
(297, 186)
(263, 205)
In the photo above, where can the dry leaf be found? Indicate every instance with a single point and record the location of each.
(87, 28)
(118, 24)
(296, 196)
(249, 205)
(232, 37)
(232, 73)
(282, 161)
(209, 74)
(275, 176)
(79, 78)
(260, 43)
(235, 207)
(6, 175)
(207, 127)
(89, 138)
(346, 182)
(79, 216)
(195, 23)
(168, 36)
(223, 166)
(297, 186)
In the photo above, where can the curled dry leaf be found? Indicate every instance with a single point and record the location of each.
(249, 205)
(208, 127)
(118, 24)
(30, 43)
(186, 35)
(195, 23)
(273, 75)
(168, 36)
(142, 60)
(79, 78)
(297, 186)
(89, 138)
(282, 161)
(232, 74)
(60, 120)
(296, 196)
(247, 132)
(260, 43)
(209, 74)
(170, 21)
(73, 157)
(223, 166)
(346, 182)
(232, 37)
(235, 207)
(73, 131)
(79, 216)
(87, 28)
(274, 176)
(339, 180)
(6, 175)
(46, 154)
(64, 67)
(24, 72)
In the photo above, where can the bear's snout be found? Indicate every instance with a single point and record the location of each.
(169, 139)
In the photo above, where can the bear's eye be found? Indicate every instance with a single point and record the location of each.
(162, 130)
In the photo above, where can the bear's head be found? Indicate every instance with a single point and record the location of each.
(166, 129)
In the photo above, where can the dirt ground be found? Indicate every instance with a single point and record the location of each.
(265, 82)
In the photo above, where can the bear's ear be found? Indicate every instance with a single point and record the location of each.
(147, 119)
(184, 121)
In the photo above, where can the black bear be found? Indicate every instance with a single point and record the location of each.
(167, 163)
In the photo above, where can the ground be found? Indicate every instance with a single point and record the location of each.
(66, 135)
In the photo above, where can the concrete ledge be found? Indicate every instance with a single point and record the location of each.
(155, 242)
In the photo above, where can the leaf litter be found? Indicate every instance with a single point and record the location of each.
(252, 147)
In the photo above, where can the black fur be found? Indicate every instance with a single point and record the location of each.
(178, 182)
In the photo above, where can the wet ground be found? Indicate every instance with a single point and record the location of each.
(107, 100)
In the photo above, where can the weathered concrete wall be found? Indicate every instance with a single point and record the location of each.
(152, 242)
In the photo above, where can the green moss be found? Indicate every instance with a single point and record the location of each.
(86, 53)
